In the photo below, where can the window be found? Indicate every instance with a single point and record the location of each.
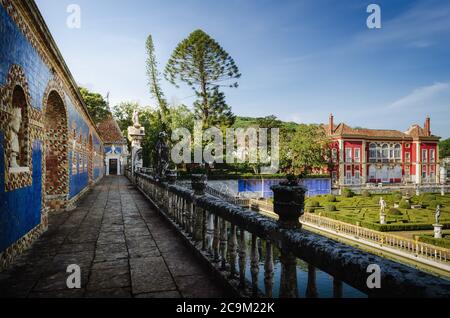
(407, 172)
(357, 176)
(408, 146)
(348, 154)
(432, 155)
(373, 152)
(424, 155)
(372, 173)
(357, 155)
(408, 157)
(334, 157)
(348, 177)
(398, 152)
(385, 152)
(424, 172)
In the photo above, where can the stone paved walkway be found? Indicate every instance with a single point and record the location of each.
(124, 249)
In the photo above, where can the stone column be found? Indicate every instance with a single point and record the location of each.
(289, 205)
(418, 164)
(136, 134)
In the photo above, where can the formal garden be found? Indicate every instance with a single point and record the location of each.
(404, 213)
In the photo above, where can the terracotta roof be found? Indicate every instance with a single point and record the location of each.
(414, 131)
(110, 131)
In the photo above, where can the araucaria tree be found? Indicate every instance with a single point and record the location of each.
(154, 81)
(200, 62)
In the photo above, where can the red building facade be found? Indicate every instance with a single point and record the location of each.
(364, 156)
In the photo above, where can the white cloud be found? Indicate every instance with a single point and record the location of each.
(421, 96)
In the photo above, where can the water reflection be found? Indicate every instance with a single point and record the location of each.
(311, 282)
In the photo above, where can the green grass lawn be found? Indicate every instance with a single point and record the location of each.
(365, 211)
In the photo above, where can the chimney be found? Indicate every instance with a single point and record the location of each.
(427, 127)
(331, 124)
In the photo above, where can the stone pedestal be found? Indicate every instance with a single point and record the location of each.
(382, 219)
(289, 204)
(438, 231)
(136, 134)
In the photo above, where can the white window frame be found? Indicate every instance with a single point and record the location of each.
(424, 155)
(348, 154)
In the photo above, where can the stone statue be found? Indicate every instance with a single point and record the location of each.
(438, 214)
(161, 160)
(136, 119)
(13, 136)
(383, 206)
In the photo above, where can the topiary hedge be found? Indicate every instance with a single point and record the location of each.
(397, 196)
(312, 204)
(366, 194)
(330, 208)
(443, 242)
(433, 204)
(404, 204)
(394, 211)
(347, 193)
(330, 198)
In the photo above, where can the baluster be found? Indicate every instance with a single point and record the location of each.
(254, 265)
(198, 224)
(209, 226)
(242, 258)
(232, 250)
(223, 243)
(268, 270)
(190, 219)
(216, 241)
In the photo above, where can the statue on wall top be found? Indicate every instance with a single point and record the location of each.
(136, 119)
(13, 137)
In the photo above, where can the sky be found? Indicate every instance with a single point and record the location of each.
(300, 60)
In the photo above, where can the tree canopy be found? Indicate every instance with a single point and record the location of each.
(154, 80)
(306, 149)
(444, 148)
(201, 63)
(97, 106)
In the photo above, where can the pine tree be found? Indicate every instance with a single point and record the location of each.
(200, 62)
(154, 81)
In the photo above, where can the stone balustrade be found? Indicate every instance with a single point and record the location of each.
(219, 231)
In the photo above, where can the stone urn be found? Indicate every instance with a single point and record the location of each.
(289, 199)
(171, 176)
(198, 182)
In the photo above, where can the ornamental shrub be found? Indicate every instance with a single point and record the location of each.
(312, 204)
(347, 193)
(404, 204)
